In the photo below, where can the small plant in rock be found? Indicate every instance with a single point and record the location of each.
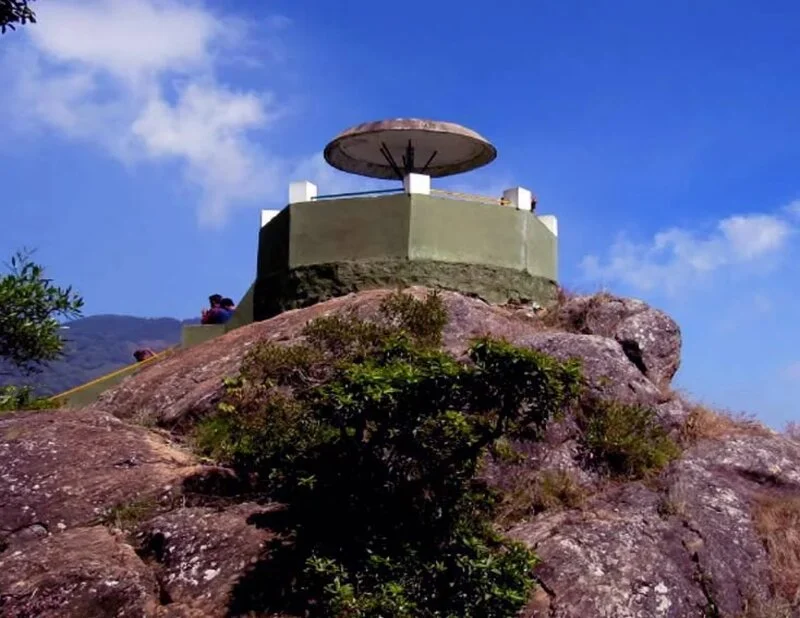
(22, 398)
(673, 502)
(372, 437)
(127, 515)
(534, 493)
(625, 440)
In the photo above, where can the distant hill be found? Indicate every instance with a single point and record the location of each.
(100, 344)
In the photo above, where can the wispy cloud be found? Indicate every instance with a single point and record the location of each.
(142, 80)
(792, 371)
(677, 257)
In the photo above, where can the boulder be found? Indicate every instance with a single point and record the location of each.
(697, 540)
(649, 337)
(608, 372)
(61, 470)
(687, 548)
(175, 391)
(201, 553)
(84, 572)
(615, 558)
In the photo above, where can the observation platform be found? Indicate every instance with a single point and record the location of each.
(322, 246)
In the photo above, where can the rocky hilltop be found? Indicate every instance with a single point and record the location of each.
(107, 510)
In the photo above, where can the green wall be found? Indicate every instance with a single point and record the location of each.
(473, 233)
(348, 230)
(194, 334)
(414, 227)
(273, 244)
(541, 248)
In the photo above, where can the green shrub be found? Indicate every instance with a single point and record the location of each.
(22, 398)
(626, 440)
(423, 320)
(373, 442)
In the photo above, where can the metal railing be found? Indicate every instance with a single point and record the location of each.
(333, 196)
(113, 374)
(470, 197)
(453, 195)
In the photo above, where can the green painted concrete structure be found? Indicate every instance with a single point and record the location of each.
(315, 250)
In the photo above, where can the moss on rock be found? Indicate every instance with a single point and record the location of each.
(308, 285)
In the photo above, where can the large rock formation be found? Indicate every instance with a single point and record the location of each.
(105, 511)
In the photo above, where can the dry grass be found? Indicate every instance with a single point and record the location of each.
(575, 320)
(772, 608)
(706, 424)
(545, 491)
(674, 501)
(792, 431)
(777, 520)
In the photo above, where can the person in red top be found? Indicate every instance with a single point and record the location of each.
(221, 311)
(214, 301)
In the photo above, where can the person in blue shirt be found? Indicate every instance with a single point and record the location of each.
(220, 314)
(227, 308)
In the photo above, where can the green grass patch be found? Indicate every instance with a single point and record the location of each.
(626, 440)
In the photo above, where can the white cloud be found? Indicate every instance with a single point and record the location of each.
(677, 257)
(793, 208)
(128, 38)
(140, 78)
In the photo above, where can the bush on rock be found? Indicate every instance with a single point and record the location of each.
(373, 438)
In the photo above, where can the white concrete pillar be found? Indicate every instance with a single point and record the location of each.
(551, 223)
(519, 197)
(267, 216)
(302, 191)
(419, 184)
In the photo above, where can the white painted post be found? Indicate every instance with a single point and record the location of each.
(302, 191)
(419, 184)
(267, 216)
(551, 223)
(519, 197)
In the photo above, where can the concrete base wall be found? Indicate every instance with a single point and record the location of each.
(472, 233)
(194, 334)
(316, 250)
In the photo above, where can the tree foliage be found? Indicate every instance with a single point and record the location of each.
(15, 12)
(30, 334)
(14, 398)
(373, 439)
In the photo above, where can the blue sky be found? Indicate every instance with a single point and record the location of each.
(142, 137)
